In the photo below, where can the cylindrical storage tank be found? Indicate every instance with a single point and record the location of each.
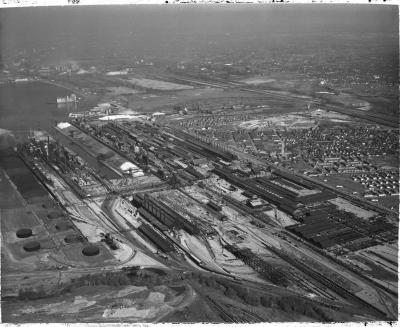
(73, 238)
(24, 233)
(91, 250)
(63, 225)
(53, 215)
(31, 246)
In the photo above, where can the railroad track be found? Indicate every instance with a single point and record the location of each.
(344, 293)
(225, 314)
(254, 317)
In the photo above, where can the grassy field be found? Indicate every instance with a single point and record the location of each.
(73, 253)
(8, 197)
(391, 202)
(120, 90)
(22, 178)
(16, 218)
(344, 180)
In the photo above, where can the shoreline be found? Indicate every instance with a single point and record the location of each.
(45, 81)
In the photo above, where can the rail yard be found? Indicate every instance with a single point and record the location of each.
(153, 195)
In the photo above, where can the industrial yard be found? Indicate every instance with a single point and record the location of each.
(205, 171)
(245, 194)
(175, 199)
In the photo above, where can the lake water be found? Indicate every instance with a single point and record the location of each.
(31, 105)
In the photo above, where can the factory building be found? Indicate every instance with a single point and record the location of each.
(161, 242)
(167, 216)
(327, 227)
(287, 205)
(152, 219)
(288, 192)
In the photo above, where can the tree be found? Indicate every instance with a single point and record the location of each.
(322, 314)
(221, 287)
(202, 279)
(279, 278)
(253, 299)
(123, 279)
(230, 292)
(266, 301)
(243, 293)
(210, 282)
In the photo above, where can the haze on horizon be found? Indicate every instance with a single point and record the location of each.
(181, 32)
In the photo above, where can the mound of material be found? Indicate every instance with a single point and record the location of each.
(63, 125)
(73, 238)
(63, 225)
(24, 233)
(128, 165)
(115, 117)
(32, 246)
(91, 250)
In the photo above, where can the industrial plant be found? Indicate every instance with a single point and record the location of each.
(223, 166)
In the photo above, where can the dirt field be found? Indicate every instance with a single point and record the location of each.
(290, 121)
(349, 207)
(73, 253)
(158, 85)
(106, 303)
(16, 218)
(258, 80)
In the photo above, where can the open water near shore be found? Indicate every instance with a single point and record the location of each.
(31, 105)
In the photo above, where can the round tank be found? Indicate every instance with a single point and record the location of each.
(31, 246)
(63, 225)
(53, 215)
(91, 250)
(24, 233)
